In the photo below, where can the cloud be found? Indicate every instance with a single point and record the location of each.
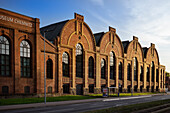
(150, 19)
(98, 2)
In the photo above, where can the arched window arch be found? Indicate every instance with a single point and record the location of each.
(153, 71)
(4, 56)
(25, 59)
(65, 62)
(141, 73)
(135, 69)
(91, 67)
(103, 68)
(128, 71)
(112, 65)
(49, 67)
(120, 70)
(79, 60)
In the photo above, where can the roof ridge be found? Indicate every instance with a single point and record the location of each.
(55, 23)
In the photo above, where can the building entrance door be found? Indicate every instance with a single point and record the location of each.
(79, 89)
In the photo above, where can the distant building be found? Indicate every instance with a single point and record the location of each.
(77, 61)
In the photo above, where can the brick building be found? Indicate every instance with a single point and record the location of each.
(77, 61)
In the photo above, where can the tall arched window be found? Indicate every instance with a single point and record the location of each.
(135, 69)
(103, 66)
(161, 78)
(120, 70)
(79, 61)
(91, 67)
(141, 73)
(128, 71)
(49, 69)
(148, 74)
(153, 70)
(4, 56)
(157, 75)
(25, 59)
(112, 65)
(65, 62)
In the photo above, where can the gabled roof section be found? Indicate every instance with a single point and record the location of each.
(53, 30)
(125, 45)
(98, 37)
(145, 49)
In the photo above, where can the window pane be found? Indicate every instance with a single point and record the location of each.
(3, 46)
(7, 46)
(21, 49)
(7, 52)
(2, 61)
(25, 55)
(7, 73)
(2, 67)
(21, 53)
(3, 51)
(2, 73)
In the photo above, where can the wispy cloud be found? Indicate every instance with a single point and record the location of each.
(150, 19)
(98, 2)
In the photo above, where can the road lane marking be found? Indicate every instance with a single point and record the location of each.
(126, 98)
(60, 110)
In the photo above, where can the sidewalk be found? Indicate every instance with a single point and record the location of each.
(34, 105)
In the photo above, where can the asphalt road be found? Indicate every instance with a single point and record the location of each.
(82, 107)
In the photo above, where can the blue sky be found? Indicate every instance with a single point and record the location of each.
(149, 20)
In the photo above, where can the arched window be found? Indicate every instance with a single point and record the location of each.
(128, 71)
(112, 65)
(148, 74)
(141, 73)
(4, 56)
(91, 67)
(161, 78)
(120, 70)
(135, 69)
(65, 62)
(153, 70)
(157, 75)
(25, 59)
(103, 66)
(79, 61)
(49, 68)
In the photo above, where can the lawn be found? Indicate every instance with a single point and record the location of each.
(13, 101)
(122, 94)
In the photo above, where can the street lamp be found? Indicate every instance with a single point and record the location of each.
(44, 68)
(44, 71)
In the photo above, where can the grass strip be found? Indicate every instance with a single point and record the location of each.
(131, 108)
(13, 101)
(122, 94)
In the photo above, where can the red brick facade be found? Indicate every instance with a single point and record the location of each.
(16, 28)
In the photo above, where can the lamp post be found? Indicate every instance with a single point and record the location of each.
(44, 71)
(44, 68)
